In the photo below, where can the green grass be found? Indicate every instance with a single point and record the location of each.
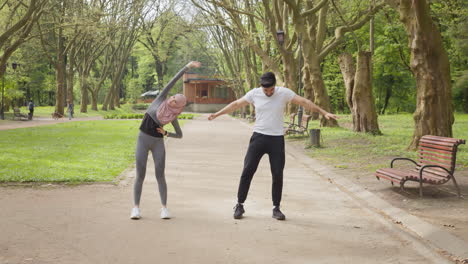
(125, 110)
(46, 111)
(344, 148)
(140, 116)
(82, 151)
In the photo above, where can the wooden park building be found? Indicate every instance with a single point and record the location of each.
(205, 93)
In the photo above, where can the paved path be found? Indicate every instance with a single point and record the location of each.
(90, 223)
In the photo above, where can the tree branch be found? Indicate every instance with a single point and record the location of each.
(315, 9)
(341, 31)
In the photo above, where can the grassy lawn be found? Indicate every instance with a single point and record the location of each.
(344, 148)
(82, 151)
(46, 111)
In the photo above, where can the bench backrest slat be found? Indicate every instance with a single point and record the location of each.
(436, 154)
(436, 146)
(444, 139)
(428, 156)
(432, 150)
(305, 121)
(441, 151)
(292, 118)
(430, 162)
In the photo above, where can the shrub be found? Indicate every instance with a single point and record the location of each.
(140, 106)
(186, 116)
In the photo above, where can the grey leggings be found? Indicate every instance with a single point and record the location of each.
(146, 143)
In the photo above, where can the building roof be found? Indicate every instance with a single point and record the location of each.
(203, 80)
(150, 93)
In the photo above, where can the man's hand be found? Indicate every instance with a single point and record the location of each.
(330, 115)
(194, 64)
(212, 116)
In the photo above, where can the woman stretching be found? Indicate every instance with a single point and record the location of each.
(151, 138)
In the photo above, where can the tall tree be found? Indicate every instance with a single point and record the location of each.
(127, 17)
(54, 43)
(431, 69)
(14, 31)
(161, 31)
(308, 30)
(358, 82)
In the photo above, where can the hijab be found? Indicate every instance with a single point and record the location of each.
(167, 113)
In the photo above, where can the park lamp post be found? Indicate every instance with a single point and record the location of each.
(280, 39)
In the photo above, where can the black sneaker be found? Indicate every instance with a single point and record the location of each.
(238, 211)
(277, 214)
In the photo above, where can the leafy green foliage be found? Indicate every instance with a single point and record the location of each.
(140, 106)
(335, 84)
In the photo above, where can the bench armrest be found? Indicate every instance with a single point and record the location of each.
(395, 159)
(431, 166)
(290, 125)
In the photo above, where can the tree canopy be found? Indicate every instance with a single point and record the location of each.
(107, 52)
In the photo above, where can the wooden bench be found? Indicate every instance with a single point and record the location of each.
(435, 165)
(301, 129)
(291, 123)
(17, 114)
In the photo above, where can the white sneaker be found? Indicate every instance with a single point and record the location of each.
(135, 213)
(165, 213)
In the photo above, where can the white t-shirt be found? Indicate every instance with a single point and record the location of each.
(269, 111)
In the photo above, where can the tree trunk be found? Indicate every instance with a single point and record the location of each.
(159, 72)
(314, 84)
(388, 94)
(70, 76)
(309, 91)
(112, 97)
(348, 71)
(117, 94)
(431, 69)
(465, 96)
(291, 77)
(106, 102)
(94, 100)
(320, 93)
(84, 92)
(60, 74)
(364, 111)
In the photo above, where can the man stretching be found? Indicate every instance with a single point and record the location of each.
(268, 136)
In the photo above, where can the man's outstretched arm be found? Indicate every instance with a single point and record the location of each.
(307, 104)
(229, 108)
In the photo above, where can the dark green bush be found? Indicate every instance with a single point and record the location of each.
(140, 106)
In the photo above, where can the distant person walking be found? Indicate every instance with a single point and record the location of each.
(31, 109)
(268, 136)
(70, 109)
(151, 138)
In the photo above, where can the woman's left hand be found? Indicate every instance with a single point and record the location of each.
(194, 64)
(161, 130)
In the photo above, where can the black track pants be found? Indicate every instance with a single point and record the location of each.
(259, 145)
